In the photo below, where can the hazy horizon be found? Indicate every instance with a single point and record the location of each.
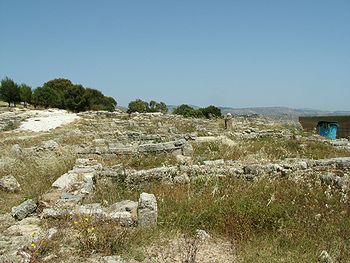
(237, 54)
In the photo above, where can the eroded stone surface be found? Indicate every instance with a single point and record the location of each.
(24, 209)
(147, 210)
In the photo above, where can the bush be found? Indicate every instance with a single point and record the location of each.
(188, 111)
(143, 106)
(211, 112)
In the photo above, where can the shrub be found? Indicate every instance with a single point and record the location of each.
(143, 106)
(138, 106)
(188, 111)
(211, 112)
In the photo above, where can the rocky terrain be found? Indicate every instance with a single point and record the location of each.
(114, 187)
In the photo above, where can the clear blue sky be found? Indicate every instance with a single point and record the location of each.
(292, 53)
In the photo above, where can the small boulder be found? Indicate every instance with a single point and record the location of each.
(53, 213)
(9, 183)
(187, 149)
(50, 145)
(184, 160)
(253, 169)
(328, 178)
(214, 162)
(181, 179)
(147, 210)
(16, 150)
(202, 235)
(325, 257)
(23, 210)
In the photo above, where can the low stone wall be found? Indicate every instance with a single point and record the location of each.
(183, 173)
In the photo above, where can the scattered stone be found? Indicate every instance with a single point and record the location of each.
(181, 179)
(187, 150)
(253, 169)
(112, 259)
(124, 206)
(325, 257)
(328, 178)
(161, 147)
(214, 162)
(23, 210)
(95, 210)
(123, 218)
(9, 183)
(184, 160)
(16, 150)
(202, 235)
(342, 182)
(50, 145)
(147, 210)
(56, 213)
(65, 181)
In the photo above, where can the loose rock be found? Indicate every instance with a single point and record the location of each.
(9, 183)
(23, 210)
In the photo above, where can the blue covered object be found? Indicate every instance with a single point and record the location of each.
(328, 129)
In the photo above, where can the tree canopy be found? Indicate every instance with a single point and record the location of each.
(188, 111)
(143, 106)
(9, 91)
(57, 93)
(25, 93)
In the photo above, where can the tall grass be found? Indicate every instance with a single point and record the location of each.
(267, 148)
(268, 221)
(35, 175)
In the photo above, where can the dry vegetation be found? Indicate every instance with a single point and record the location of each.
(268, 149)
(271, 219)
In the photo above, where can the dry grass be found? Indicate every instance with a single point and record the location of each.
(35, 175)
(270, 149)
(139, 161)
(268, 221)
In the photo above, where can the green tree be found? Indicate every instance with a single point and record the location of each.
(25, 93)
(74, 98)
(9, 91)
(47, 97)
(158, 107)
(188, 111)
(211, 112)
(109, 104)
(58, 88)
(138, 106)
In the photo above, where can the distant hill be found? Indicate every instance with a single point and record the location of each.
(274, 112)
(280, 112)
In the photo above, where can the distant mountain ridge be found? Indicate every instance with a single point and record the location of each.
(280, 112)
(274, 112)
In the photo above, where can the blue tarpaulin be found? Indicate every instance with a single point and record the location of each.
(328, 129)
